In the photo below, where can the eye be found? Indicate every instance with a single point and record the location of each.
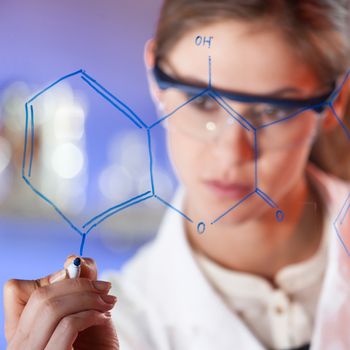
(273, 112)
(204, 103)
(269, 113)
(283, 112)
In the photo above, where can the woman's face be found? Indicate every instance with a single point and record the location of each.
(219, 171)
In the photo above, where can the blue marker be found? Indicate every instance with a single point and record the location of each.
(73, 269)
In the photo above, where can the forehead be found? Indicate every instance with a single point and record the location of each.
(245, 57)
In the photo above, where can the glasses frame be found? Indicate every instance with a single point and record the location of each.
(317, 103)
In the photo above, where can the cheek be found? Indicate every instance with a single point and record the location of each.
(281, 165)
(184, 156)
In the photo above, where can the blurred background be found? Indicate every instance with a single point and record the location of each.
(87, 155)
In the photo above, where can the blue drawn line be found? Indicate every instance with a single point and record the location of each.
(342, 208)
(213, 94)
(52, 204)
(344, 215)
(32, 140)
(82, 245)
(150, 159)
(174, 111)
(116, 211)
(340, 121)
(341, 239)
(111, 102)
(340, 87)
(113, 208)
(343, 211)
(230, 110)
(232, 208)
(25, 141)
(53, 84)
(210, 68)
(170, 206)
(266, 198)
(256, 155)
(94, 81)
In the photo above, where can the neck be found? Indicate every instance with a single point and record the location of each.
(263, 246)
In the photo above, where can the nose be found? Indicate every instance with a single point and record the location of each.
(234, 144)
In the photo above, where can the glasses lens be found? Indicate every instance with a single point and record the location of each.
(199, 116)
(206, 116)
(278, 127)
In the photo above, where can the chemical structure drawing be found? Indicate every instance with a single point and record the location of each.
(219, 97)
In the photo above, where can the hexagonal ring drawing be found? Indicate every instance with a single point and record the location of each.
(29, 146)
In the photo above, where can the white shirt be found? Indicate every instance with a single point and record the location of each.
(167, 303)
(282, 317)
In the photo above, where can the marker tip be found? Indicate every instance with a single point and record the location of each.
(77, 262)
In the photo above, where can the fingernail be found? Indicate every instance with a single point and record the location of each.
(109, 299)
(102, 285)
(108, 314)
(58, 276)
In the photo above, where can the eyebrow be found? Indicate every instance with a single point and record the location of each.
(282, 92)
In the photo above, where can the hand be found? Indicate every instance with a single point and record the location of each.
(58, 313)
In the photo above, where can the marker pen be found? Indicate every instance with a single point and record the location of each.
(74, 268)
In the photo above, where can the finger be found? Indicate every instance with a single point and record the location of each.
(88, 268)
(16, 296)
(44, 295)
(18, 292)
(38, 322)
(69, 286)
(70, 326)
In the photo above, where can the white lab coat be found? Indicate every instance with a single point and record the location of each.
(166, 303)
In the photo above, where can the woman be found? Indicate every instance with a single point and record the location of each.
(250, 281)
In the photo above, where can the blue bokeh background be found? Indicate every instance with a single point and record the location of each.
(40, 41)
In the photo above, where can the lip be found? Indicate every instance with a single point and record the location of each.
(227, 190)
